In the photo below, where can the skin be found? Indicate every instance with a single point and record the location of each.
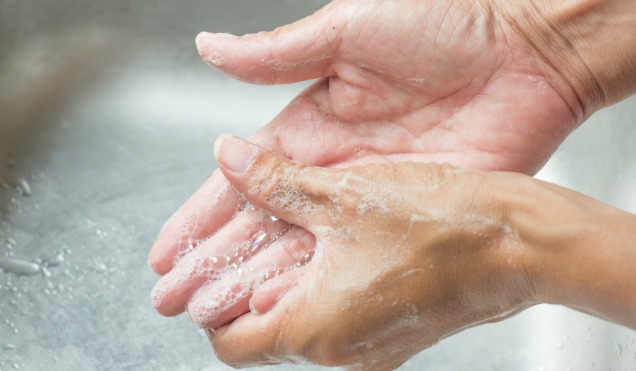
(435, 251)
(479, 85)
(454, 83)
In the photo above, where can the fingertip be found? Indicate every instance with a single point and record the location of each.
(290, 54)
(157, 262)
(201, 39)
(235, 154)
(218, 143)
(157, 265)
(208, 50)
(205, 311)
(241, 343)
(253, 309)
(263, 299)
(210, 46)
(266, 296)
(161, 255)
(204, 37)
(162, 303)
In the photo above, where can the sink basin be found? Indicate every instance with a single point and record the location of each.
(107, 123)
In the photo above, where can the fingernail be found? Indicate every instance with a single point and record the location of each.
(201, 39)
(204, 37)
(217, 144)
(252, 309)
(234, 153)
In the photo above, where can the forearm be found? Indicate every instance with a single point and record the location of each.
(592, 43)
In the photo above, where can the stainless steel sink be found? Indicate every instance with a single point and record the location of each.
(107, 119)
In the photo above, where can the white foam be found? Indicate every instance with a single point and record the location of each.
(215, 59)
(416, 82)
(226, 269)
(294, 200)
(280, 65)
(233, 289)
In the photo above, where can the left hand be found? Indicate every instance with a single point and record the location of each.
(407, 254)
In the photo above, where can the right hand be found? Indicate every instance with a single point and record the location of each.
(409, 80)
(411, 253)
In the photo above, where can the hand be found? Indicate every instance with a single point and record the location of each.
(408, 253)
(411, 253)
(401, 80)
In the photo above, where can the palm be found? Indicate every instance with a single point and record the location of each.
(447, 85)
(457, 93)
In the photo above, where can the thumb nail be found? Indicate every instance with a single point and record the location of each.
(234, 153)
(204, 37)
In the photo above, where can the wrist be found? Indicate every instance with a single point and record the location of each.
(591, 43)
(580, 253)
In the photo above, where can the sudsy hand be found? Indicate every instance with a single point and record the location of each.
(423, 81)
(407, 254)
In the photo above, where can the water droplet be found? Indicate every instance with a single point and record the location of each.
(619, 349)
(100, 267)
(55, 260)
(46, 272)
(22, 187)
(19, 267)
(259, 243)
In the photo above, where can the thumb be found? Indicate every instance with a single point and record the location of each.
(299, 51)
(296, 193)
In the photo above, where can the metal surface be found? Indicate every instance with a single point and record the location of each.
(107, 119)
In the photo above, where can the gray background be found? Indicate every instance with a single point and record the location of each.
(108, 114)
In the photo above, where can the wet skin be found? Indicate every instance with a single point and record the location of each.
(468, 91)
